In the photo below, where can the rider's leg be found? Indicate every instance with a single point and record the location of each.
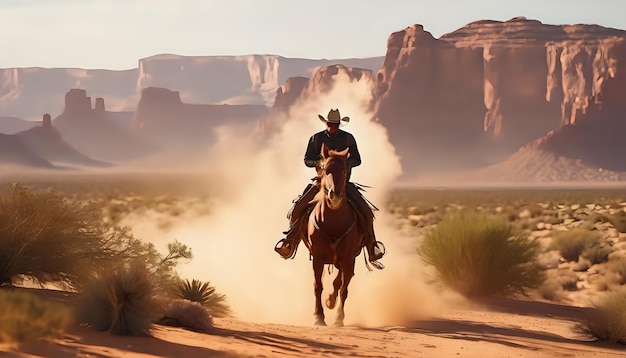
(375, 250)
(287, 246)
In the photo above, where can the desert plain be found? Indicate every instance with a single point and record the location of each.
(396, 312)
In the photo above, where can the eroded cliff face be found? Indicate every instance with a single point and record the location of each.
(296, 89)
(430, 98)
(490, 87)
(247, 79)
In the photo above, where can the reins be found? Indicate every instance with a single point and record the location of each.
(334, 240)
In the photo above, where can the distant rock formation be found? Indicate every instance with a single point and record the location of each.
(28, 92)
(299, 88)
(251, 79)
(246, 79)
(14, 151)
(168, 123)
(474, 96)
(12, 125)
(536, 163)
(288, 94)
(94, 132)
(47, 143)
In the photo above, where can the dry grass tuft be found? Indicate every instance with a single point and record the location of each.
(480, 255)
(24, 317)
(607, 322)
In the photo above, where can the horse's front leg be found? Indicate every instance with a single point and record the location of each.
(347, 273)
(318, 269)
(332, 298)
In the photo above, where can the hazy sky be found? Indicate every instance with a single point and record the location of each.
(114, 34)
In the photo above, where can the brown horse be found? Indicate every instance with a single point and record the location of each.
(334, 237)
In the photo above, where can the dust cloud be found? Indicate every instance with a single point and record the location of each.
(256, 183)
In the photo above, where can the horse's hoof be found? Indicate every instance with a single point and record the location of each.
(320, 322)
(338, 324)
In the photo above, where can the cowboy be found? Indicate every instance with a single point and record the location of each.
(338, 140)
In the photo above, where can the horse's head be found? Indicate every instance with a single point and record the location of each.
(334, 175)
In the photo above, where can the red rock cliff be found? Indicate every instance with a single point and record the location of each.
(474, 96)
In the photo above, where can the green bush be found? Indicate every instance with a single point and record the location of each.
(204, 294)
(480, 255)
(120, 302)
(48, 239)
(25, 317)
(579, 242)
(607, 321)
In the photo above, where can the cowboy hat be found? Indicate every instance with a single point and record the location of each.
(334, 117)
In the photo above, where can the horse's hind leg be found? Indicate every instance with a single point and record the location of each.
(347, 271)
(332, 298)
(318, 268)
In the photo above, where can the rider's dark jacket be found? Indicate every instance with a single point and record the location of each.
(340, 141)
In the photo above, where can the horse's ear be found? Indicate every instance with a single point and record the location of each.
(344, 153)
(324, 151)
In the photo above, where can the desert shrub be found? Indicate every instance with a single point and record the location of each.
(618, 266)
(607, 321)
(420, 209)
(597, 252)
(120, 302)
(551, 290)
(186, 314)
(535, 210)
(48, 239)
(570, 282)
(162, 268)
(480, 255)
(204, 294)
(578, 242)
(618, 220)
(553, 220)
(25, 317)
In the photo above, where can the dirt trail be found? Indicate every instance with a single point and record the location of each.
(502, 328)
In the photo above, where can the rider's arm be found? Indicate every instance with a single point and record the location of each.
(313, 152)
(354, 160)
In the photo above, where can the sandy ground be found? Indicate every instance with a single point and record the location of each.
(266, 291)
(493, 328)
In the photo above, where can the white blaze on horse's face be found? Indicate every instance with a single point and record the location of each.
(333, 195)
(335, 172)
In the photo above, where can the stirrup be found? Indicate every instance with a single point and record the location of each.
(377, 265)
(284, 249)
(379, 250)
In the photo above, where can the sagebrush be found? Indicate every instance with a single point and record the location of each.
(186, 314)
(46, 238)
